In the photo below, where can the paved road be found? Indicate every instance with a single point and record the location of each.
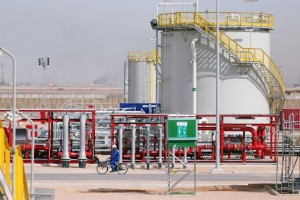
(154, 177)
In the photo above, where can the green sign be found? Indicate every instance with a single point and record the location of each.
(182, 131)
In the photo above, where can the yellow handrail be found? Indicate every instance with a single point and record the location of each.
(20, 184)
(240, 19)
(143, 56)
(140, 57)
(226, 19)
(4, 155)
(187, 19)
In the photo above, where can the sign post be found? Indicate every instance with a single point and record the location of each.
(181, 132)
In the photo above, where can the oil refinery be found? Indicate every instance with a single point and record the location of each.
(211, 73)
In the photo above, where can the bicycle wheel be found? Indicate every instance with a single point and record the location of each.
(102, 168)
(122, 168)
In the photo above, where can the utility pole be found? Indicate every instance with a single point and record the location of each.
(44, 62)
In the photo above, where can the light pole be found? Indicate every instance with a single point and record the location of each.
(13, 152)
(44, 62)
(217, 168)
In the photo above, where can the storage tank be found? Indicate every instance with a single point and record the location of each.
(141, 77)
(244, 88)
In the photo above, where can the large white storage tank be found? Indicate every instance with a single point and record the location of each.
(141, 77)
(242, 88)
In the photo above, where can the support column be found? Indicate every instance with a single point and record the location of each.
(173, 157)
(121, 128)
(65, 157)
(160, 146)
(82, 155)
(184, 157)
(148, 146)
(133, 131)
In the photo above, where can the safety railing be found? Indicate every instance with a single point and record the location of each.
(143, 57)
(20, 183)
(226, 19)
(181, 20)
(241, 19)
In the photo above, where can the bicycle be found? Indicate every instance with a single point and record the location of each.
(102, 167)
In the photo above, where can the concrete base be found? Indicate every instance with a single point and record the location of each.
(132, 166)
(217, 171)
(82, 164)
(65, 164)
(43, 194)
(159, 165)
(143, 166)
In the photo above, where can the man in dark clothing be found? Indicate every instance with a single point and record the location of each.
(114, 158)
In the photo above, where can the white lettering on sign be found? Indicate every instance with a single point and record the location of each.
(182, 123)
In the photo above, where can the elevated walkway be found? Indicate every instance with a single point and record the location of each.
(261, 62)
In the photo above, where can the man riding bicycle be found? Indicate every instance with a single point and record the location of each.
(115, 157)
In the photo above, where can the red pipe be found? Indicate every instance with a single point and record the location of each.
(244, 128)
(199, 150)
(74, 155)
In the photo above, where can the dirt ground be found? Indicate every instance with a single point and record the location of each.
(147, 190)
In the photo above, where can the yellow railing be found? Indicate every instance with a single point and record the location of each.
(188, 19)
(20, 184)
(143, 56)
(241, 19)
(226, 19)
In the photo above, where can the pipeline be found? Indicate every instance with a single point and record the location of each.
(244, 128)
(258, 141)
(75, 155)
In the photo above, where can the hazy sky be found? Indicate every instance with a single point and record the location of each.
(88, 39)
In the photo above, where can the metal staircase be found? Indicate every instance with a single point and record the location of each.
(255, 56)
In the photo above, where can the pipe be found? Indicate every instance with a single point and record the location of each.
(82, 156)
(133, 131)
(244, 128)
(237, 128)
(199, 150)
(148, 146)
(184, 157)
(173, 156)
(232, 147)
(194, 62)
(75, 155)
(160, 146)
(254, 146)
(121, 142)
(194, 88)
(65, 158)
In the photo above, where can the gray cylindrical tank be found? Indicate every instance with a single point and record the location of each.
(135, 81)
(242, 91)
(141, 82)
(251, 38)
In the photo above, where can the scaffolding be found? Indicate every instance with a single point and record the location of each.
(289, 180)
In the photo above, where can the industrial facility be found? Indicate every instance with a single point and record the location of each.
(213, 69)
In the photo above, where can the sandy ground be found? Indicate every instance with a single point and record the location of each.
(143, 189)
